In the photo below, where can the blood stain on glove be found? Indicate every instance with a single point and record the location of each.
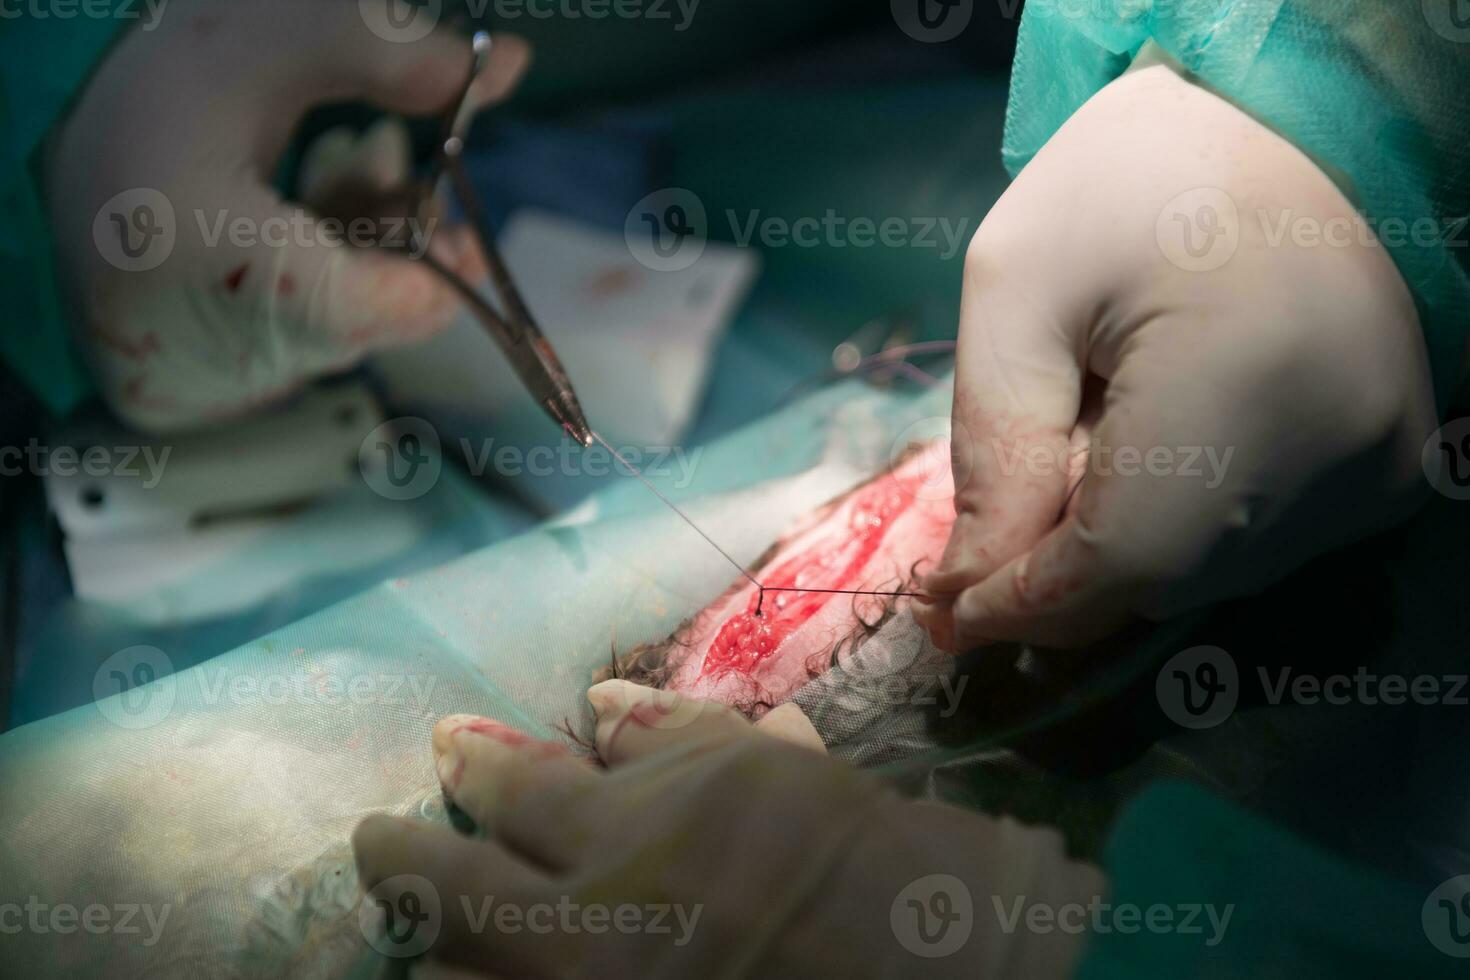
(133, 394)
(236, 278)
(491, 729)
(133, 350)
(450, 728)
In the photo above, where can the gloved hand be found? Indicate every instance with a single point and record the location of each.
(199, 293)
(766, 858)
(1146, 307)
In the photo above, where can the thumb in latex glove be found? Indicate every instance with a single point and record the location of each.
(758, 855)
(197, 291)
(1231, 400)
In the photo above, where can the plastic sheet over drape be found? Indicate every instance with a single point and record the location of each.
(221, 798)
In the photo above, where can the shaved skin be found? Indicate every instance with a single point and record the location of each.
(754, 651)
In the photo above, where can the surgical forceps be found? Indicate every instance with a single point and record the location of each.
(530, 354)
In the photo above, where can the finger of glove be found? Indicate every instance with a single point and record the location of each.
(449, 887)
(1138, 523)
(635, 722)
(1018, 390)
(525, 791)
(380, 160)
(404, 72)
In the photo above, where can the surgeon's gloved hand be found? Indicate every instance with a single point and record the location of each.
(197, 291)
(1146, 311)
(757, 855)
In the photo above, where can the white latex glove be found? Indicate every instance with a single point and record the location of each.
(767, 859)
(1088, 329)
(190, 120)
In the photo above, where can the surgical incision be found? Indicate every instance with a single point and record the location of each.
(753, 648)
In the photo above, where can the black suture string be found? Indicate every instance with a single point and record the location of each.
(760, 600)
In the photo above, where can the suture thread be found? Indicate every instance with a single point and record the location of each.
(761, 589)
